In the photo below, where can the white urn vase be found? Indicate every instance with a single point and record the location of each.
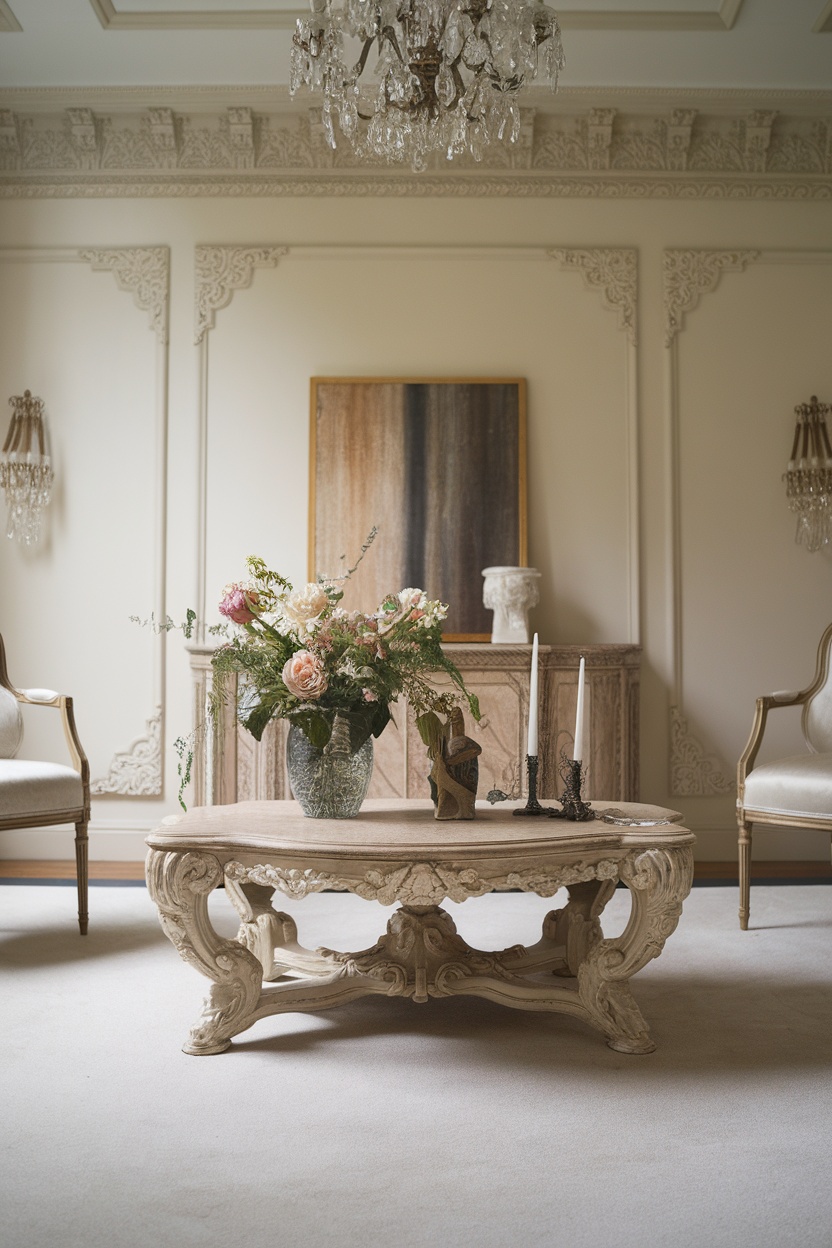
(509, 593)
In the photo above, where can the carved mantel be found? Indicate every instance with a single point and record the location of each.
(230, 766)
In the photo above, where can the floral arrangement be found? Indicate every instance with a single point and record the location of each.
(306, 659)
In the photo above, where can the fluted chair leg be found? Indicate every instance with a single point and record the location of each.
(745, 873)
(82, 875)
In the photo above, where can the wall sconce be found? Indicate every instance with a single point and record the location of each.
(809, 475)
(25, 473)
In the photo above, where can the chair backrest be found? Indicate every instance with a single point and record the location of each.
(11, 724)
(817, 710)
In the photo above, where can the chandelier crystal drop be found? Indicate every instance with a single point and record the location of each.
(809, 475)
(447, 72)
(25, 469)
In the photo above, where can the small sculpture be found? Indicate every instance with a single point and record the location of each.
(509, 593)
(455, 771)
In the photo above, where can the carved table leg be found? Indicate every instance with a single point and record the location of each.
(658, 880)
(577, 926)
(271, 935)
(179, 883)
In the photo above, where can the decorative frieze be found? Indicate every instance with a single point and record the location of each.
(765, 153)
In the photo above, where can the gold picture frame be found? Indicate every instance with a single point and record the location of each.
(438, 465)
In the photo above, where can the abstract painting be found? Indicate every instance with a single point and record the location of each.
(438, 467)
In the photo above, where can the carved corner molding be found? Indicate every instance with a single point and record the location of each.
(136, 771)
(714, 150)
(219, 271)
(613, 271)
(145, 273)
(689, 274)
(693, 771)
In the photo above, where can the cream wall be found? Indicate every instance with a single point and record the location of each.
(656, 509)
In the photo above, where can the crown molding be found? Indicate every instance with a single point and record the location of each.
(270, 98)
(752, 145)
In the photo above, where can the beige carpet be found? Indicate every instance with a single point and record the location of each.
(455, 1123)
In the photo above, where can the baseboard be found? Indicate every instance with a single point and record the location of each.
(109, 844)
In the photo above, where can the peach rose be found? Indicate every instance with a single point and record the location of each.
(304, 676)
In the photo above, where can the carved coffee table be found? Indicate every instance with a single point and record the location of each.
(395, 851)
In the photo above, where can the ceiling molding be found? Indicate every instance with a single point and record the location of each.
(721, 17)
(8, 21)
(775, 152)
(275, 97)
(196, 19)
(823, 25)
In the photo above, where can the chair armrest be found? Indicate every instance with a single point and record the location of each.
(768, 702)
(63, 703)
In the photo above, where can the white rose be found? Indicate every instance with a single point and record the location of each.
(303, 607)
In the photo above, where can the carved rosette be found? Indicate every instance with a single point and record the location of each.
(219, 272)
(613, 271)
(136, 771)
(145, 273)
(693, 772)
(659, 880)
(179, 884)
(689, 274)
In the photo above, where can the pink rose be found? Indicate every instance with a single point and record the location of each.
(237, 603)
(304, 676)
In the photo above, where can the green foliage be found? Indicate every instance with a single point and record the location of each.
(185, 752)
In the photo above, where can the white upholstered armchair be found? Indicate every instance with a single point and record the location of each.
(34, 793)
(794, 792)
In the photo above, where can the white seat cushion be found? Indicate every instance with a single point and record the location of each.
(29, 788)
(798, 786)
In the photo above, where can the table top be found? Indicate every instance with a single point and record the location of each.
(404, 829)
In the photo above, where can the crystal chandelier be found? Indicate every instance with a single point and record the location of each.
(809, 475)
(25, 473)
(448, 72)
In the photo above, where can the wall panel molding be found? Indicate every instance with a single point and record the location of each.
(218, 272)
(143, 272)
(688, 273)
(613, 273)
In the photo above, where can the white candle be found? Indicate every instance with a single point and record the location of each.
(531, 748)
(578, 751)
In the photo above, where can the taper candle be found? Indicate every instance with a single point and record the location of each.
(578, 751)
(531, 748)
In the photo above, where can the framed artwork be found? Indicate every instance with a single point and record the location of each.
(438, 466)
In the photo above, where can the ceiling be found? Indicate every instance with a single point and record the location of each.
(681, 44)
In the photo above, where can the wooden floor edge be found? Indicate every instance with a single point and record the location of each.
(48, 869)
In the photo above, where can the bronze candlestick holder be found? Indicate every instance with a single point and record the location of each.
(533, 806)
(574, 807)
